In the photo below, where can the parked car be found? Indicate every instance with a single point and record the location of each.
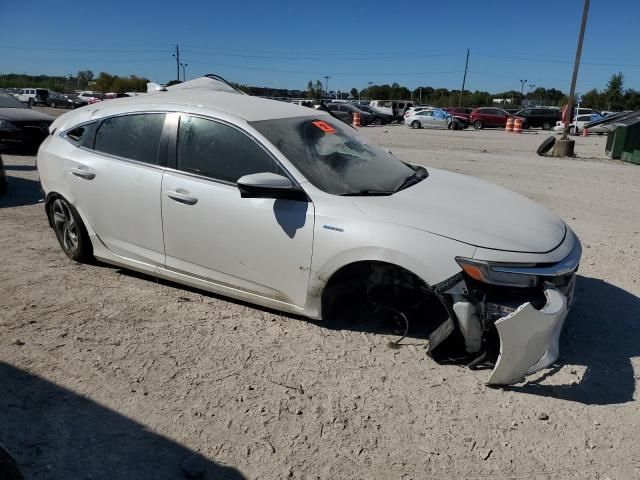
(90, 97)
(33, 96)
(486, 269)
(460, 112)
(3, 178)
(395, 108)
(487, 117)
(544, 118)
(433, 118)
(365, 117)
(385, 117)
(577, 126)
(56, 100)
(20, 125)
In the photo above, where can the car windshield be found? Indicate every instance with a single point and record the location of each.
(9, 101)
(333, 157)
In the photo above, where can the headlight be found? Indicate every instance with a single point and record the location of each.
(7, 125)
(486, 272)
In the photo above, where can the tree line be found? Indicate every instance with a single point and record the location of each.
(613, 97)
(82, 80)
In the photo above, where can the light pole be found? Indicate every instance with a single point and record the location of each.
(184, 71)
(326, 84)
(522, 83)
(177, 57)
(420, 95)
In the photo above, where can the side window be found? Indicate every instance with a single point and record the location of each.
(83, 136)
(218, 151)
(136, 137)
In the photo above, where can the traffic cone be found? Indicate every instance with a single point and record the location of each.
(585, 133)
(356, 119)
(509, 126)
(517, 125)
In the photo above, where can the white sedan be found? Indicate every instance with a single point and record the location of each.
(577, 127)
(431, 117)
(289, 208)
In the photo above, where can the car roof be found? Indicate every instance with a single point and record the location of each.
(204, 95)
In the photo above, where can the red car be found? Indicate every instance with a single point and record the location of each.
(460, 112)
(486, 117)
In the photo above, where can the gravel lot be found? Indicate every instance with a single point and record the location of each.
(108, 374)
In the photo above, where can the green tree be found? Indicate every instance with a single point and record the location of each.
(354, 92)
(84, 77)
(614, 92)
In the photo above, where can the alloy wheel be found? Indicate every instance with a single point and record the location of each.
(65, 226)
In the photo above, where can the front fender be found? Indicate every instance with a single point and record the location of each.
(428, 256)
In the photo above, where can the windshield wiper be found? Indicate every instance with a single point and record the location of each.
(416, 177)
(368, 193)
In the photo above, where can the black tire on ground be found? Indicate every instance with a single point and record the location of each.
(376, 121)
(52, 105)
(478, 125)
(31, 102)
(70, 231)
(547, 126)
(545, 146)
(3, 185)
(416, 124)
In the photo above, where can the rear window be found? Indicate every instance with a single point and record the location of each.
(136, 137)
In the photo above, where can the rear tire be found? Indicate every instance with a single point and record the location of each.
(547, 126)
(478, 125)
(416, 124)
(31, 102)
(70, 231)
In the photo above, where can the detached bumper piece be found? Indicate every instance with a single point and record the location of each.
(529, 339)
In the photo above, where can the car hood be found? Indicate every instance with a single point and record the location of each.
(24, 115)
(471, 211)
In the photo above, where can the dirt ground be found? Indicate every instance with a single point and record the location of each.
(108, 374)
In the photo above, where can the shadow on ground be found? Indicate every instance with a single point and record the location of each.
(55, 433)
(20, 192)
(602, 334)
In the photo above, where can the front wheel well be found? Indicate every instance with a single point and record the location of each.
(366, 291)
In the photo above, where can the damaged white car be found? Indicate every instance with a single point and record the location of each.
(289, 208)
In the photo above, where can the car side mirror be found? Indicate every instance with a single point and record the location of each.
(270, 185)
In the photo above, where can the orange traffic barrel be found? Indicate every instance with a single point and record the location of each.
(585, 133)
(517, 125)
(356, 119)
(509, 126)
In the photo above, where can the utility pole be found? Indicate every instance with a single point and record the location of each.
(184, 71)
(572, 91)
(326, 84)
(177, 57)
(464, 78)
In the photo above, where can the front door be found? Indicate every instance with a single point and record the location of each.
(259, 246)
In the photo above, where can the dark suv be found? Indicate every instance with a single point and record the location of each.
(544, 118)
(488, 117)
(365, 117)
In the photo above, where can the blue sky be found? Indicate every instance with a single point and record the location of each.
(284, 44)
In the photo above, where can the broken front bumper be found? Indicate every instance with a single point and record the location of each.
(529, 338)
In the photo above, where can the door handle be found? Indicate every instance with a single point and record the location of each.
(83, 173)
(181, 197)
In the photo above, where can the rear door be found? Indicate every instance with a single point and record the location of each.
(259, 246)
(115, 175)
